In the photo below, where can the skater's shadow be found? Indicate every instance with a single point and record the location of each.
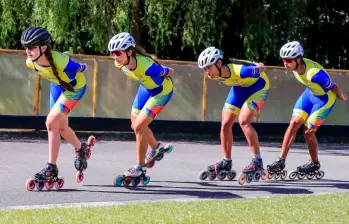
(207, 189)
(323, 183)
(151, 191)
(254, 186)
(219, 189)
(289, 184)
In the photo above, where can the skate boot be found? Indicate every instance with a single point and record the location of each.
(253, 172)
(157, 154)
(221, 170)
(276, 169)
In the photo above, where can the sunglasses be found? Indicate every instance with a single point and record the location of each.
(288, 60)
(117, 53)
(30, 47)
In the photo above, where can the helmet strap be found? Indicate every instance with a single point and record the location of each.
(297, 64)
(41, 53)
(128, 57)
(219, 69)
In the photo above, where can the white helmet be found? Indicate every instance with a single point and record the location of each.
(209, 56)
(291, 50)
(121, 42)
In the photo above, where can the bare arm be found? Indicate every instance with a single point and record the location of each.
(339, 93)
(170, 72)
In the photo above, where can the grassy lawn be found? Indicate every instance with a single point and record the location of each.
(328, 208)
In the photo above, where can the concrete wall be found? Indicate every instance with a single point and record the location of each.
(115, 92)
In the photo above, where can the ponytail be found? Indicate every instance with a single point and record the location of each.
(141, 51)
(65, 85)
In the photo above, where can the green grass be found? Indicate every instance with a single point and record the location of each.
(328, 208)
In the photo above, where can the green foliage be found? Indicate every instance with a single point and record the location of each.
(14, 16)
(181, 29)
(270, 24)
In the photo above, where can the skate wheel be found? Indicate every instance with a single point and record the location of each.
(39, 186)
(271, 176)
(91, 141)
(49, 185)
(301, 176)
(310, 176)
(159, 157)
(283, 175)
(212, 175)
(168, 148)
(146, 180)
(320, 174)
(135, 181)
(277, 176)
(265, 175)
(256, 176)
(118, 181)
(59, 184)
(249, 178)
(79, 177)
(231, 175)
(221, 175)
(203, 175)
(88, 154)
(150, 164)
(127, 181)
(30, 184)
(293, 174)
(242, 179)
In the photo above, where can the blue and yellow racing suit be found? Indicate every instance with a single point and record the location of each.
(317, 100)
(248, 86)
(70, 72)
(155, 90)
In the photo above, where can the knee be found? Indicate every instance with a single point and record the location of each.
(244, 123)
(226, 126)
(309, 135)
(306, 135)
(50, 125)
(138, 129)
(295, 125)
(62, 129)
(132, 127)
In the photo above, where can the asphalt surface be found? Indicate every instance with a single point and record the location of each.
(174, 177)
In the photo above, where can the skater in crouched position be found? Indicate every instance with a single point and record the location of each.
(155, 91)
(310, 111)
(249, 90)
(68, 86)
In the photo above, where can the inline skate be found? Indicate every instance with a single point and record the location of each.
(157, 154)
(309, 170)
(82, 155)
(47, 177)
(132, 176)
(253, 172)
(221, 170)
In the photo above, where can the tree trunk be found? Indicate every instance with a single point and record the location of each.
(136, 21)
